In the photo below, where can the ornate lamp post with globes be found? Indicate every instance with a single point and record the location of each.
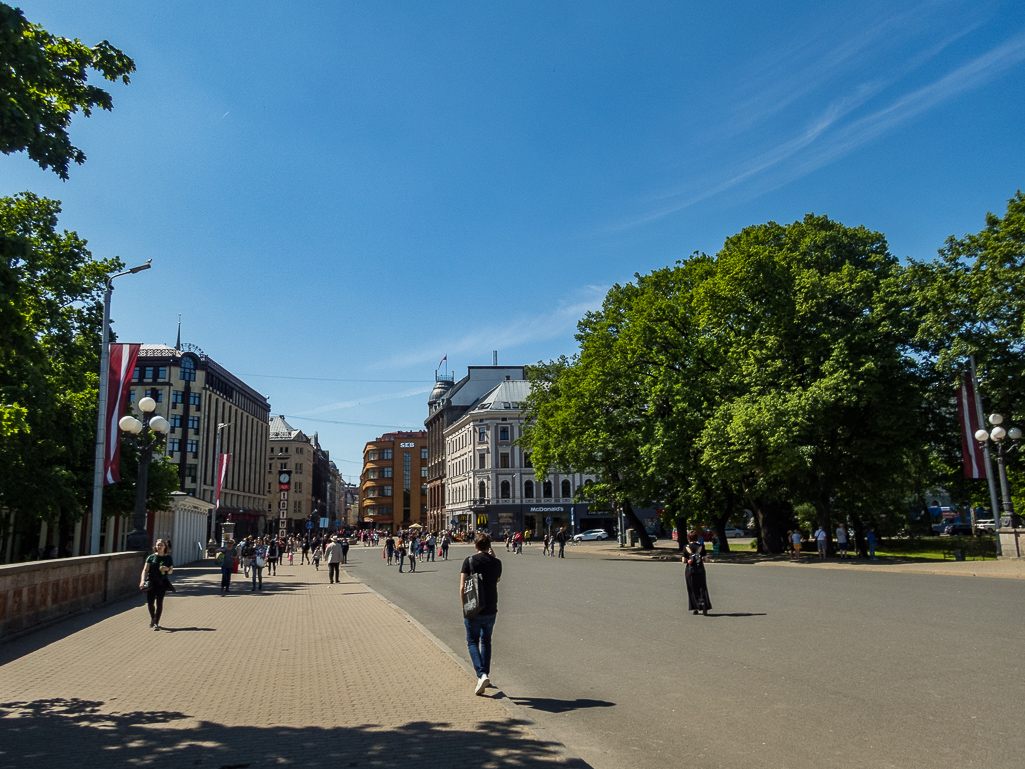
(1009, 519)
(149, 434)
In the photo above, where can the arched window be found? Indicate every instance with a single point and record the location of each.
(482, 490)
(548, 489)
(188, 369)
(528, 489)
(504, 489)
(565, 488)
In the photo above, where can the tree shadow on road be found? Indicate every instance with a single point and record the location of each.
(738, 614)
(549, 705)
(57, 732)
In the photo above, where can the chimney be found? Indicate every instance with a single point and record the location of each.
(494, 357)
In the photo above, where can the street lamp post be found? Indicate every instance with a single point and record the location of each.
(151, 431)
(217, 478)
(101, 415)
(1009, 519)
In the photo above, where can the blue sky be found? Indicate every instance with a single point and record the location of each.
(349, 191)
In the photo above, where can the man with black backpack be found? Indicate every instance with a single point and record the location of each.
(478, 591)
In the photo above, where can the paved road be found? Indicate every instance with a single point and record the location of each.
(796, 666)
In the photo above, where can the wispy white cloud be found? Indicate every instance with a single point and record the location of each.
(514, 331)
(830, 136)
(364, 401)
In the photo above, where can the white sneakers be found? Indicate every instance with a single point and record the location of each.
(482, 684)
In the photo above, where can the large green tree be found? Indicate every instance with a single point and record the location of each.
(44, 82)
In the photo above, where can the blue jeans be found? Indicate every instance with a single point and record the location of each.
(402, 559)
(257, 575)
(478, 641)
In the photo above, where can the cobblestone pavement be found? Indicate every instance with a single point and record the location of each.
(302, 673)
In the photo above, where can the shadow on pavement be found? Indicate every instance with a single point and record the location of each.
(549, 705)
(738, 614)
(56, 732)
(165, 629)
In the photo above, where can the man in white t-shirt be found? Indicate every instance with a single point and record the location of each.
(821, 539)
(841, 541)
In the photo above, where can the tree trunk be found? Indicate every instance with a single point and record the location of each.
(681, 532)
(860, 544)
(772, 517)
(825, 519)
(720, 522)
(635, 523)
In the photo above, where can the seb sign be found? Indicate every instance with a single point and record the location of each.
(407, 445)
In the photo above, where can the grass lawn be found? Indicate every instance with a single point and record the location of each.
(938, 548)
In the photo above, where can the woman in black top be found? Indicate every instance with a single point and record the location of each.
(697, 587)
(155, 570)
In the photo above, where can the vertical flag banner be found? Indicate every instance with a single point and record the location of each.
(119, 380)
(974, 459)
(222, 472)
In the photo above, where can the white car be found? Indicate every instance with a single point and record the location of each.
(732, 532)
(591, 534)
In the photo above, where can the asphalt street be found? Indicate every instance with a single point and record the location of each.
(793, 667)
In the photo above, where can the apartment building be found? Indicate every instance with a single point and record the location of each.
(393, 484)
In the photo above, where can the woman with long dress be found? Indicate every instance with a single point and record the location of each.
(697, 587)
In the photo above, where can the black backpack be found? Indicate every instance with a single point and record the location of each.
(694, 559)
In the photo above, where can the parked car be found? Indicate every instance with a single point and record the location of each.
(590, 534)
(986, 524)
(957, 530)
(732, 532)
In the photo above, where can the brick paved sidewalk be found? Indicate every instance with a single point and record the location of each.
(303, 673)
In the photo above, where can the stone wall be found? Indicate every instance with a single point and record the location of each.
(1012, 543)
(40, 592)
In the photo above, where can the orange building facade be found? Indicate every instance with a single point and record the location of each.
(393, 484)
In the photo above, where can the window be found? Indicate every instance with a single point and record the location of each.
(526, 459)
(284, 466)
(482, 461)
(503, 433)
(174, 444)
(156, 394)
(371, 491)
(194, 423)
(135, 374)
(386, 472)
(297, 506)
(299, 487)
(194, 399)
(192, 446)
(386, 491)
(423, 453)
(482, 435)
(423, 491)
(147, 372)
(385, 453)
(131, 396)
(299, 467)
(548, 490)
(161, 372)
(371, 472)
(528, 489)
(423, 471)
(372, 455)
(504, 490)
(371, 510)
(503, 459)
(177, 396)
(176, 420)
(187, 373)
(384, 510)
(190, 472)
(482, 490)
(566, 490)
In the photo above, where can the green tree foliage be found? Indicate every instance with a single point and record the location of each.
(50, 316)
(44, 83)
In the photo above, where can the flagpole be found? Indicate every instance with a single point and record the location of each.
(985, 456)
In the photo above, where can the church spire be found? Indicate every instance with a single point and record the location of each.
(178, 344)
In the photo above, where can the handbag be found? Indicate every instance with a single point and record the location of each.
(260, 562)
(472, 599)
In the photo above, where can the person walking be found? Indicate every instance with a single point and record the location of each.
(306, 551)
(153, 580)
(333, 556)
(389, 548)
(479, 628)
(229, 554)
(432, 544)
(273, 553)
(822, 540)
(344, 544)
(795, 540)
(841, 541)
(446, 540)
(544, 541)
(413, 556)
(697, 586)
(259, 561)
(318, 553)
(561, 538)
(400, 552)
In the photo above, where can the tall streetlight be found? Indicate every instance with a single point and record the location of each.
(151, 432)
(101, 415)
(1009, 518)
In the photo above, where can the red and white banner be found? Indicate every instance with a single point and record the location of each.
(120, 368)
(967, 415)
(222, 471)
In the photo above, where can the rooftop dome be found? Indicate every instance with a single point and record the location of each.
(441, 387)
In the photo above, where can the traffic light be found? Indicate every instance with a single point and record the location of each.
(284, 480)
